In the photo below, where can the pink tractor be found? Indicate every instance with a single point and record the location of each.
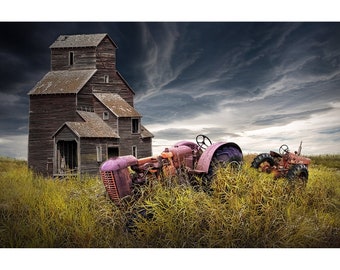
(283, 164)
(121, 174)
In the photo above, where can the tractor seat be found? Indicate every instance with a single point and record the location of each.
(275, 154)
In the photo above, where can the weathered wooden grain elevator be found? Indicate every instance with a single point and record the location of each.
(82, 111)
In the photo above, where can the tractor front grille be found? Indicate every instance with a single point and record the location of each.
(110, 186)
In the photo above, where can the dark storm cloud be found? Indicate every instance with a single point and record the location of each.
(239, 62)
(25, 59)
(235, 76)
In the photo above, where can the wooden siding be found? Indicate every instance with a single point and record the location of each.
(84, 97)
(106, 65)
(104, 59)
(99, 109)
(106, 55)
(129, 140)
(84, 58)
(88, 153)
(50, 111)
(47, 114)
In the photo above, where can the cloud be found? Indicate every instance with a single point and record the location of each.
(14, 146)
(159, 66)
(279, 119)
(259, 84)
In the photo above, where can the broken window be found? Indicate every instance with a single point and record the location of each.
(134, 150)
(135, 125)
(106, 115)
(71, 58)
(106, 78)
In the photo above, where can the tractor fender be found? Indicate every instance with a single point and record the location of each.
(116, 177)
(118, 163)
(211, 152)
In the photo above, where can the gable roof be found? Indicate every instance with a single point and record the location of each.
(117, 105)
(62, 82)
(145, 133)
(77, 41)
(93, 127)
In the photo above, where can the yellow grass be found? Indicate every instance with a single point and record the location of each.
(243, 209)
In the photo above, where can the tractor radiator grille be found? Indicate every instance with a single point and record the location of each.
(110, 186)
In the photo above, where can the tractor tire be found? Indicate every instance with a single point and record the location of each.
(227, 156)
(223, 157)
(261, 159)
(298, 172)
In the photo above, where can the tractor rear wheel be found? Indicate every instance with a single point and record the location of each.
(263, 162)
(298, 172)
(226, 156)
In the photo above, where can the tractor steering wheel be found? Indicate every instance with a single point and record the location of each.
(284, 149)
(201, 141)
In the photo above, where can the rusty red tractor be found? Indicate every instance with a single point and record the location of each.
(121, 174)
(283, 164)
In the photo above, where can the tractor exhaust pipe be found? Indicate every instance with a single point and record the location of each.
(300, 148)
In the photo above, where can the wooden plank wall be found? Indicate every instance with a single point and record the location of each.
(47, 114)
(106, 65)
(84, 58)
(88, 152)
(128, 140)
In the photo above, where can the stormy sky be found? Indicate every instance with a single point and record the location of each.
(258, 84)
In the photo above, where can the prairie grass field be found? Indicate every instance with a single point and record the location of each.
(243, 209)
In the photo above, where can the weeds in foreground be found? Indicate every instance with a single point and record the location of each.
(244, 209)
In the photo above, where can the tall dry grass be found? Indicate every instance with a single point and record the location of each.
(243, 209)
(39, 212)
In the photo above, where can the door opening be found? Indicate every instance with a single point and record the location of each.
(67, 160)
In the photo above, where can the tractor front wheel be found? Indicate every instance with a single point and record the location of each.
(263, 162)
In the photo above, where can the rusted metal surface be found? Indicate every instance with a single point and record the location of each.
(220, 152)
(116, 177)
(283, 164)
(185, 159)
(110, 186)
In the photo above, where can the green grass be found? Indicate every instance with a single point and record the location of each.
(244, 209)
(330, 161)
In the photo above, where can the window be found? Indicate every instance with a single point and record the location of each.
(106, 78)
(71, 58)
(106, 115)
(99, 153)
(134, 150)
(135, 125)
(112, 151)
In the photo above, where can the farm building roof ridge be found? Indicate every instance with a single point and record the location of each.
(74, 41)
